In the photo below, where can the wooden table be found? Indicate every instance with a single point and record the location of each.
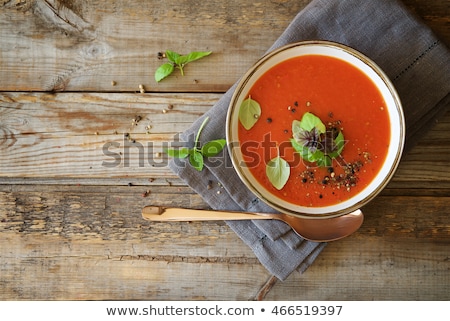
(71, 228)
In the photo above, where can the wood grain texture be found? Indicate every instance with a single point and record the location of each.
(93, 135)
(90, 135)
(79, 242)
(90, 243)
(85, 45)
(51, 45)
(71, 229)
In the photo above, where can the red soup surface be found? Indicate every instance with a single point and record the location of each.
(340, 95)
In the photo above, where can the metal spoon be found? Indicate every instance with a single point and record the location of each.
(318, 230)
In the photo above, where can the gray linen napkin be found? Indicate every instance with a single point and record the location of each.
(410, 54)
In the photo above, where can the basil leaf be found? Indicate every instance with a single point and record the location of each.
(249, 113)
(314, 157)
(324, 161)
(296, 128)
(178, 61)
(314, 142)
(196, 159)
(196, 55)
(163, 71)
(178, 153)
(172, 56)
(181, 61)
(278, 171)
(309, 121)
(306, 153)
(339, 143)
(298, 148)
(213, 147)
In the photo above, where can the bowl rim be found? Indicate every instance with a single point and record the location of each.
(317, 213)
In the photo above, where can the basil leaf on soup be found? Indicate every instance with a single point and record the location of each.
(249, 113)
(310, 121)
(314, 142)
(339, 143)
(278, 171)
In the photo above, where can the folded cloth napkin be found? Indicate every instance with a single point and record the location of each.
(384, 30)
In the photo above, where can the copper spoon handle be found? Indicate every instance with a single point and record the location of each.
(158, 213)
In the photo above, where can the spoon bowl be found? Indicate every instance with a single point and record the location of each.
(325, 230)
(317, 230)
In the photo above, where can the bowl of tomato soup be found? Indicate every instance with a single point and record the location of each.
(315, 129)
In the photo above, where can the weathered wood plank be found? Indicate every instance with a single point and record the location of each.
(435, 14)
(93, 135)
(373, 268)
(400, 253)
(95, 241)
(97, 205)
(77, 243)
(122, 270)
(81, 136)
(94, 204)
(89, 44)
(86, 45)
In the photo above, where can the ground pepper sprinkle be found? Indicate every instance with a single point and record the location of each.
(346, 180)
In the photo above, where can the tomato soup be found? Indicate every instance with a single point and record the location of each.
(341, 96)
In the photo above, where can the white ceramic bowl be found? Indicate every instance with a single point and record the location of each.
(369, 68)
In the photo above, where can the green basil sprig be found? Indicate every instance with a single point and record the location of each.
(177, 61)
(314, 142)
(196, 154)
